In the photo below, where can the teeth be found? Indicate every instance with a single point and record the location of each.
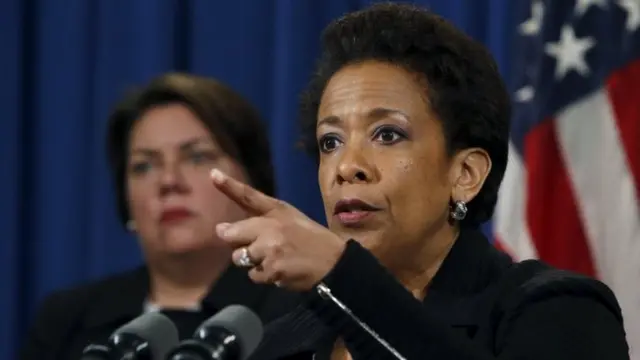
(353, 208)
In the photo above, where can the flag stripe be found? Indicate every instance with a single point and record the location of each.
(500, 245)
(623, 88)
(595, 158)
(510, 220)
(551, 211)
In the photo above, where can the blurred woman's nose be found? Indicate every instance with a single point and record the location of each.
(172, 177)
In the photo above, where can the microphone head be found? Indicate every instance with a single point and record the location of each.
(157, 329)
(240, 321)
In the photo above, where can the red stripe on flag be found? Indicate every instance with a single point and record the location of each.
(623, 87)
(552, 213)
(498, 245)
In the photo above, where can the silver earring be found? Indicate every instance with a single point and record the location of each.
(131, 225)
(459, 211)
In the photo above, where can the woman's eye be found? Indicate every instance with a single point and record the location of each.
(198, 157)
(388, 136)
(201, 157)
(141, 167)
(328, 143)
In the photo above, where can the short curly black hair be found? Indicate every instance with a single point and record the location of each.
(233, 122)
(464, 89)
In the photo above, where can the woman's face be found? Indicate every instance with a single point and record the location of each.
(381, 144)
(171, 198)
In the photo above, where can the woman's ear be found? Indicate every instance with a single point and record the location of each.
(470, 170)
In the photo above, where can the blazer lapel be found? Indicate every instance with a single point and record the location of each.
(297, 332)
(456, 292)
(459, 313)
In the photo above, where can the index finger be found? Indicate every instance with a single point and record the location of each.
(244, 195)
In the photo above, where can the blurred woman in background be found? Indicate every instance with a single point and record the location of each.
(162, 142)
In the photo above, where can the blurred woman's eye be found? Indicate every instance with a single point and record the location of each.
(198, 157)
(328, 143)
(140, 167)
(201, 157)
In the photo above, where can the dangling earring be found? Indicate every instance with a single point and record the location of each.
(459, 211)
(131, 225)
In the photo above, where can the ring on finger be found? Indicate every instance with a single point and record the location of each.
(245, 259)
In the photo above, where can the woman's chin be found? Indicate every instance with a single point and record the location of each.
(183, 246)
(181, 243)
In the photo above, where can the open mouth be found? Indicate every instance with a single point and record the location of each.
(351, 212)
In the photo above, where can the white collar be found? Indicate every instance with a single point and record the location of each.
(148, 307)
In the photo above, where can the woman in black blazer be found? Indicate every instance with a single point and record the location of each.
(410, 122)
(162, 142)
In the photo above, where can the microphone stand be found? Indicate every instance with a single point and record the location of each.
(325, 293)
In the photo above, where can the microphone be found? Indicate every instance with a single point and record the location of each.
(148, 337)
(231, 334)
(325, 292)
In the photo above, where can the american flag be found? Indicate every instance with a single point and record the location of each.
(571, 191)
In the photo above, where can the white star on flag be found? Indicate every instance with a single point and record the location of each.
(526, 93)
(582, 6)
(534, 23)
(632, 7)
(570, 52)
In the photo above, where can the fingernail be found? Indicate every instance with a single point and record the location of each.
(221, 228)
(217, 175)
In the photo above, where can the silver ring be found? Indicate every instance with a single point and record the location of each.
(245, 258)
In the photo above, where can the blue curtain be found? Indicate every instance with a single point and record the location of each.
(63, 65)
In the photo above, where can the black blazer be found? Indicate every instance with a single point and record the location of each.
(480, 305)
(69, 320)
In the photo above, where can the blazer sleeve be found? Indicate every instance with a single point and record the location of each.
(558, 325)
(48, 329)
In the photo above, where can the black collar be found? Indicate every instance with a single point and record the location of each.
(470, 266)
(121, 298)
